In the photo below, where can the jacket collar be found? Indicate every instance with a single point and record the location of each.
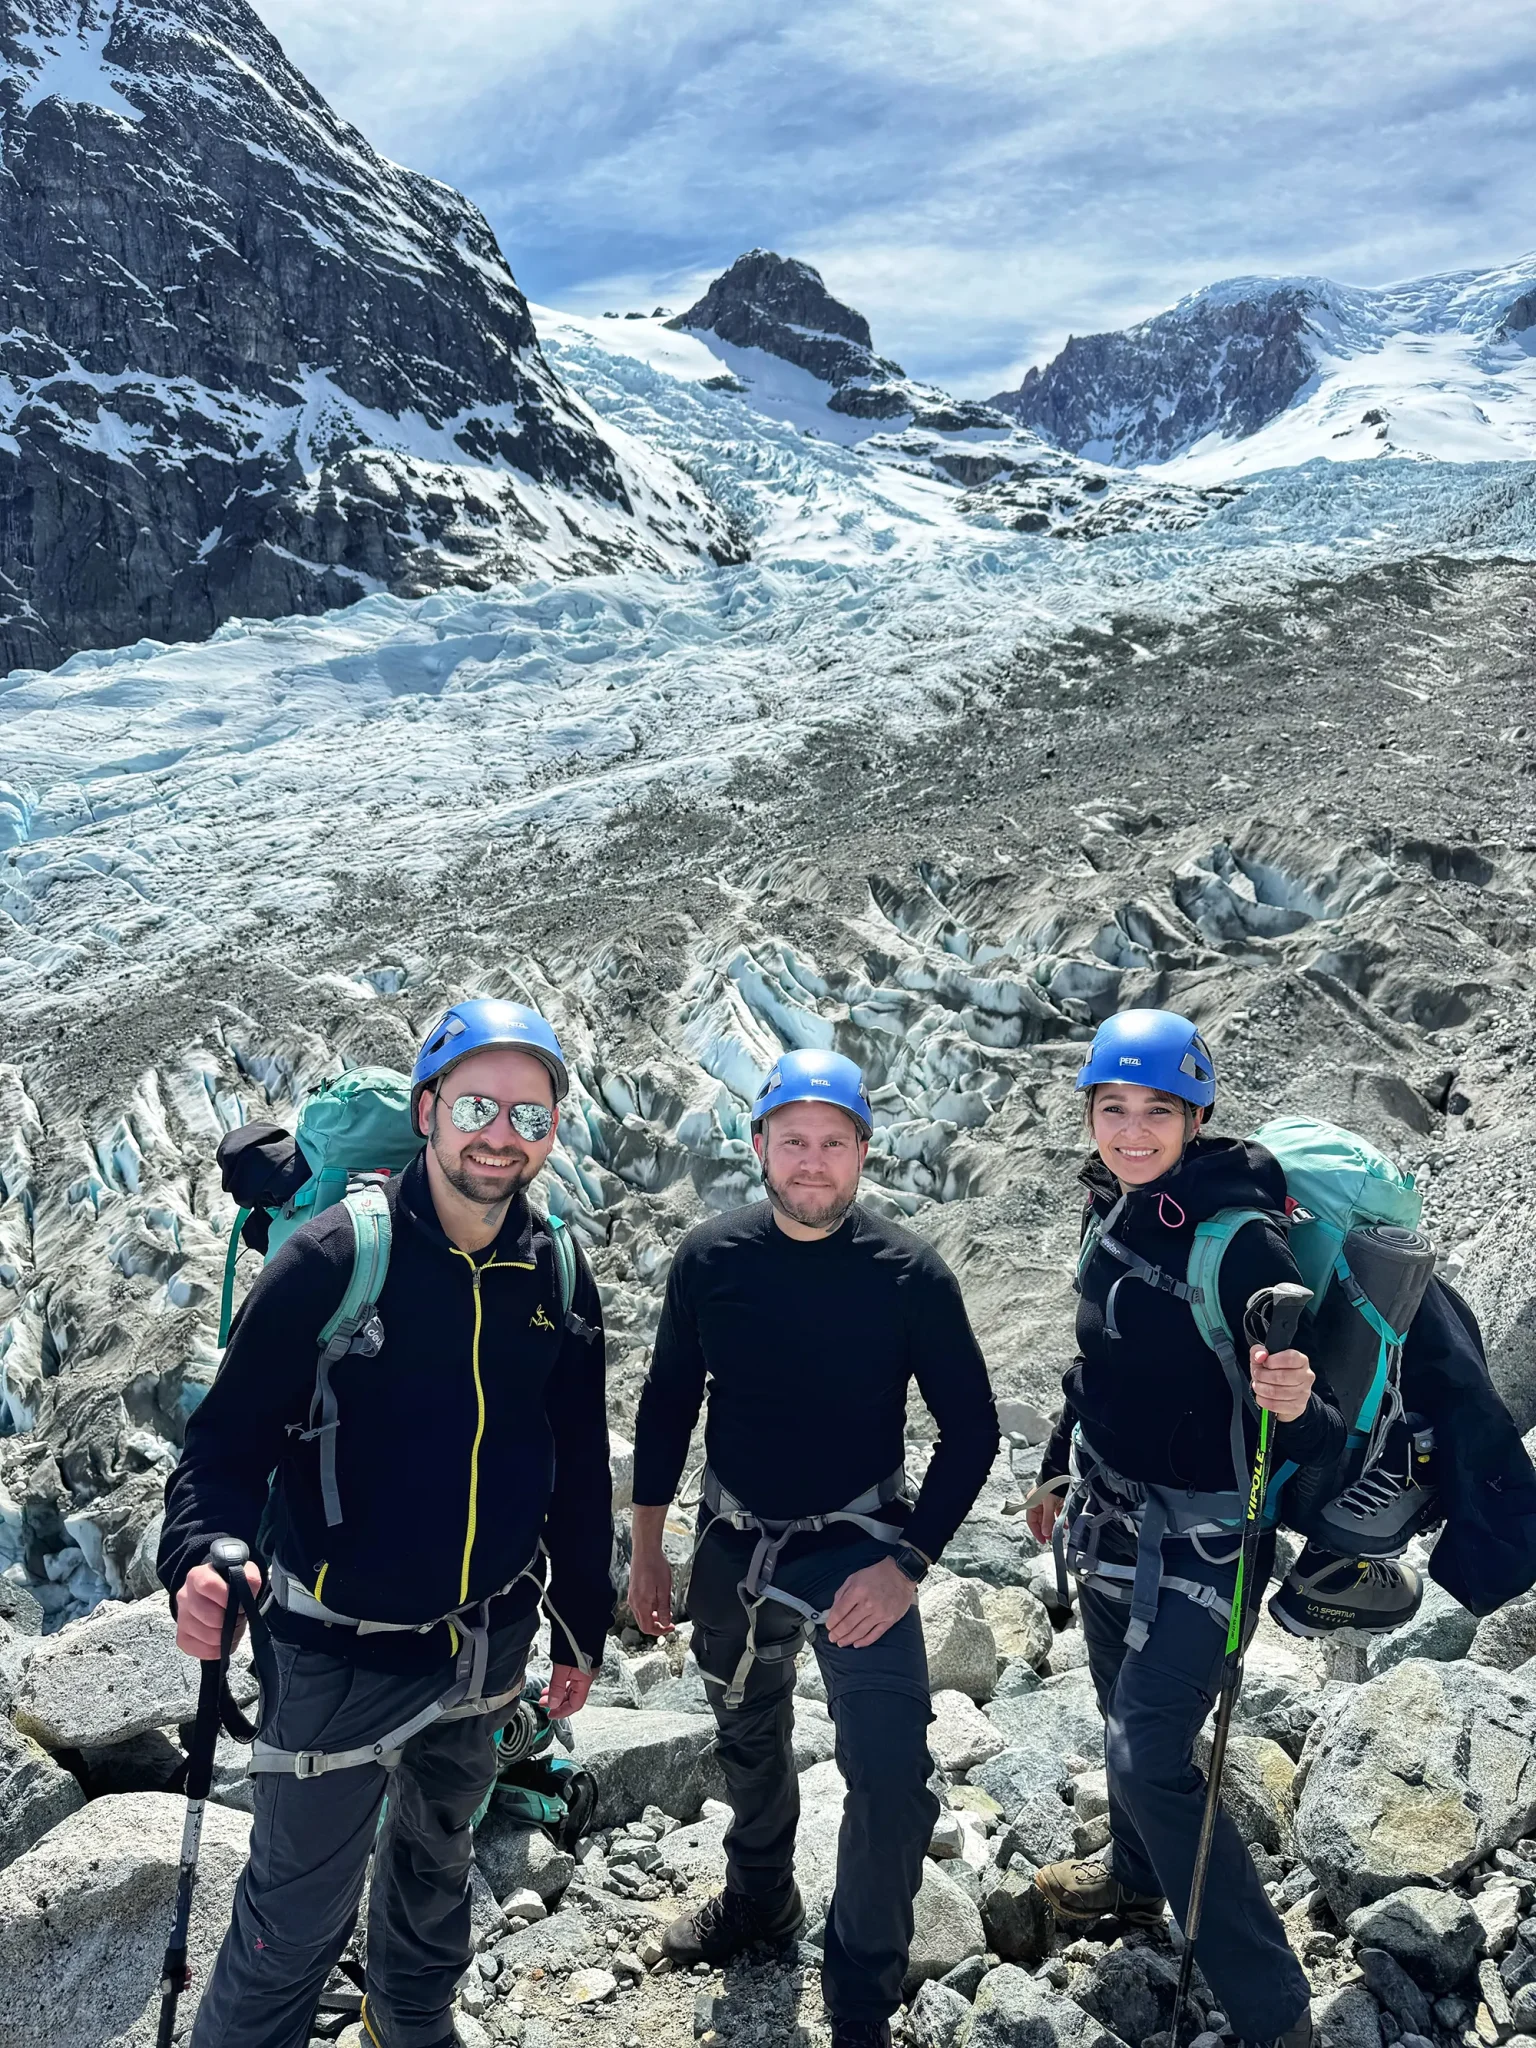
(514, 1241)
(1213, 1174)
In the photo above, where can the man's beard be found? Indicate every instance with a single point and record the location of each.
(816, 1213)
(484, 1193)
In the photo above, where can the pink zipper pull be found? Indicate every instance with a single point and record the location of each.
(1162, 1216)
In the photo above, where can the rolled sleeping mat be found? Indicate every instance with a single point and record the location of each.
(1392, 1267)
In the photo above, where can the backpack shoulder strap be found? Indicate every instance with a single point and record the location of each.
(227, 1294)
(1212, 1237)
(565, 1263)
(371, 1240)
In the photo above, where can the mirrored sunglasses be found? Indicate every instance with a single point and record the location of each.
(532, 1121)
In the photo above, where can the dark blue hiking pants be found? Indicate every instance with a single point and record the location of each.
(878, 1700)
(1155, 1701)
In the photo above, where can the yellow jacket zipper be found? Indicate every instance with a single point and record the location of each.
(472, 1520)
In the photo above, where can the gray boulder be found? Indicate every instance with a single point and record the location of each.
(1277, 1708)
(684, 1693)
(1394, 1990)
(646, 1759)
(1421, 1774)
(946, 1929)
(19, 1609)
(1043, 1831)
(1507, 1637)
(103, 1680)
(1019, 1623)
(1131, 1990)
(1347, 2018)
(1016, 1776)
(962, 1651)
(565, 1941)
(513, 1858)
(35, 1795)
(1062, 1717)
(84, 1916)
(1256, 1784)
(1016, 1919)
(1441, 1630)
(14, 1652)
(936, 2017)
(990, 1548)
(960, 1735)
(1435, 1935)
(1016, 2011)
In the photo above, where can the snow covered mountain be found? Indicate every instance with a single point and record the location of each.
(250, 367)
(1256, 373)
(774, 307)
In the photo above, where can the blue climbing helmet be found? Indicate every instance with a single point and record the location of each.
(815, 1077)
(476, 1024)
(1152, 1049)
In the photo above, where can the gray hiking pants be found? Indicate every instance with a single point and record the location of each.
(879, 1703)
(297, 1899)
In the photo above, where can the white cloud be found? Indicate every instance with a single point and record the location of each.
(979, 178)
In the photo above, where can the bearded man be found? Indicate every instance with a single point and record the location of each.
(806, 1317)
(468, 1445)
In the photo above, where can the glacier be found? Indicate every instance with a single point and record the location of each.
(228, 868)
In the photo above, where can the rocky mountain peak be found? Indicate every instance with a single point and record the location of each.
(782, 306)
(1225, 361)
(250, 366)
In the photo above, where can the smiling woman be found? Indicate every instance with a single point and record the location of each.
(626, 156)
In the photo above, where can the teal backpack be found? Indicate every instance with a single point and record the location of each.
(352, 1134)
(1348, 1206)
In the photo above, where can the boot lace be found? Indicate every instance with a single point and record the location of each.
(1370, 1495)
(727, 1913)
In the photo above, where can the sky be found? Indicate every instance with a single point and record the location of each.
(979, 177)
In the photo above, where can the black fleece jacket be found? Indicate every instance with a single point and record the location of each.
(477, 1431)
(807, 1349)
(1154, 1402)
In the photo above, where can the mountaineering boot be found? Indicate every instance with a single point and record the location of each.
(727, 1925)
(1298, 2035)
(1322, 1592)
(1089, 1891)
(860, 2033)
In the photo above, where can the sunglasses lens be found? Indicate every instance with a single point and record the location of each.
(474, 1112)
(531, 1121)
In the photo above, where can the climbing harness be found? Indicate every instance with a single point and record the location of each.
(757, 1587)
(1099, 1498)
(464, 1698)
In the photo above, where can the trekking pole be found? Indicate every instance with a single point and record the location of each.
(1284, 1305)
(229, 1556)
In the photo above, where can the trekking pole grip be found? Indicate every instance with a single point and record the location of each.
(1287, 1303)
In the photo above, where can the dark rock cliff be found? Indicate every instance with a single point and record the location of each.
(780, 305)
(1223, 365)
(250, 367)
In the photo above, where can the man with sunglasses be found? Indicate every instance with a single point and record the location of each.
(406, 1562)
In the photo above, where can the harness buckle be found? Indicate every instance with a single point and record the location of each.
(310, 1763)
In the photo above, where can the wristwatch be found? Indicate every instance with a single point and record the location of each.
(911, 1563)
